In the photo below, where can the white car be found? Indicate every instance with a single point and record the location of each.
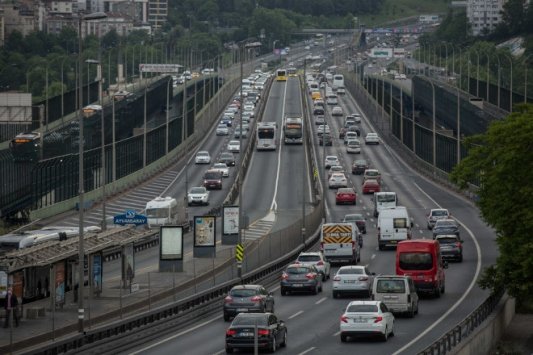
(223, 168)
(323, 128)
(202, 157)
(222, 129)
(317, 259)
(337, 180)
(332, 101)
(198, 196)
(371, 138)
(349, 136)
(248, 113)
(353, 146)
(331, 160)
(335, 169)
(436, 214)
(366, 317)
(249, 107)
(234, 146)
(337, 111)
(352, 279)
(354, 116)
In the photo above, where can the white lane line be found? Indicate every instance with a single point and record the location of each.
(224, 351)
(296, 314)
(460, 300)
(321, 300)
(337, 334)
(274, 205)
(373, 256)
(307, 351)
(175, 336)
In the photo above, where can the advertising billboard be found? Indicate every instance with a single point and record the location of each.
(128, 262)
(230, 220)
(97, 271)
(171, 243)
(59, 269)
(381, 52)
(204, 231)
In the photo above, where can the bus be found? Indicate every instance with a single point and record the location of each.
(281, 75)
(26, 147)
(338, 81)
(292, 71)
(166, 210)
(266, 136)
(293, 130)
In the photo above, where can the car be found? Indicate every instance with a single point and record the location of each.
(370, 186)
(341, 91)
(436, 214)
(348, 122)
(320, 120)
(342, 132)
(337, 180)
(317, 260)
(445, 226)
(358, 219)
(213, 179)
(222, 129)
(349, 135)
(237, 133)
(359, 166)
(325, 138)
(354, 116)
(335, 169)
(198, 195)
(355, 129)
(330, 161)
(398, 292)
(227, 158)
(271, 332)
(298, 278)
(323, 128)
(353, 146)
(319, 103)
(337, 111)
(234, 146)
(229, 113)
(346, 195)
(227, 120)
(352, 279)
(372, 174)
(247, 298)
(202, 157)
(318, 110)
(222, 167)
(366, 318)
(332, 100)
(451, 247)
(371, 138)
(249, 106)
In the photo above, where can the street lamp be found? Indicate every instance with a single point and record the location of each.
(81, 256)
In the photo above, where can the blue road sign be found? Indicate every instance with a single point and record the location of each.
(130, 217)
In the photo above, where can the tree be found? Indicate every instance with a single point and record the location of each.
(514, 15)
(502, 161)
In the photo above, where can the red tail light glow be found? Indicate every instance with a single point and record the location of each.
(228, 299)
(263, 332)
(337, 278)
(344, 319)
(284, 276)
(353, 245)
(322, 246)
(310, 275)
(231, 332)
(363, 278)
(378, 319)
(256, 299)
(458, 245)
(320, 263)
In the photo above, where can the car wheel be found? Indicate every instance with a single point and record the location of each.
(324, 277)
(416, 309)
(229, 350)
(385, 335)
(274, 346)
(315, 290)
(335, 294)
(392, 330)
(381, 247)
(272, 308)
(344, 338)
(411, 312)
(284, 344)
(226, 317)
(283, 292)
(443, 288)
(437, 291)
(460, 258)
(375, 214)
(320, 288)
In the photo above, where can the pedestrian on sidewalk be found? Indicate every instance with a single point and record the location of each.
(11, 307)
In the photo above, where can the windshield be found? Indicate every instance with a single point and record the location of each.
(247, 319)
(297, 270)
(158, 212)
(350, 271)
(307, 258)
(243, 293)
(440, 213)
(265, 133)
(447, 240)
(400, 222)
(197, 190)
(386, 197)
(362, 308)
(416, 261)
(212, 175)
(353, 217)
(293, 130)
(390, 286)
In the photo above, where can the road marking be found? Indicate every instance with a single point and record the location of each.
(460, 300)
(321, 300)
(274, 205)
(337, 334)
(296, 314)
(220, 352)
(307, 351)
(373, 256)
(175, 336)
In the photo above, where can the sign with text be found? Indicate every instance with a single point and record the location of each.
(130, 217)
(159, 68)
(171, 242)
(230, 221)
(204, 231)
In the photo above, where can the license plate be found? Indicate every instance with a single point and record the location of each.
(247, 334)
(242, 309)
(297, 285)
(359, 320)
(349, 281)
(421, 277)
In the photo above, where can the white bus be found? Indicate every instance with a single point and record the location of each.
(338, 81)
(266, 136)
(384, 200)
(293, 130)
(161, 211)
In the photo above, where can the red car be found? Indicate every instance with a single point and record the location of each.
(346, 195)
(370, 186)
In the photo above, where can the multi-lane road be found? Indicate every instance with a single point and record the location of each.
(274, 183)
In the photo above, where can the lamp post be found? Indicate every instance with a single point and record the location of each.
(81, 249)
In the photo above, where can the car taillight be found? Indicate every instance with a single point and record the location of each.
(363, 278)
(228, 299)
(310, 275)
(297, 262)
(378, 319)
(344, 319)
(337, 278)
(205, 182)
(320, 263)
(256, 299)
(263, 332)
(284, 276)
(458, 245)
(353, 245)
(231, 332)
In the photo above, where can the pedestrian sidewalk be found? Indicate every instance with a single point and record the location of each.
(115, 303)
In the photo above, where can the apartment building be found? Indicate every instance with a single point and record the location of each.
(484, 15)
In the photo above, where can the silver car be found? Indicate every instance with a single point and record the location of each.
(337, 180)
(330, 161)
(353, 146)
(223, 168)
(198, 196)
(202, 157)
(317, 259)
(352, 279)
(222, 130)
(337, 111)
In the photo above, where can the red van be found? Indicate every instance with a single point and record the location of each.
(421, 260)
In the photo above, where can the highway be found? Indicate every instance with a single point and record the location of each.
(313, 321)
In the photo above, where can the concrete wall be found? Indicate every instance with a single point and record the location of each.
(487, 335)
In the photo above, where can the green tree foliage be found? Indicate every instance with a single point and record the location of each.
(514, 16)
(454, 28)
(502, 161)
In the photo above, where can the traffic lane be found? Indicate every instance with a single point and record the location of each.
(260, 182)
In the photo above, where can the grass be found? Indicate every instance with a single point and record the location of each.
(394, 10)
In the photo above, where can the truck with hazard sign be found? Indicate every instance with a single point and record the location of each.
(339, 243)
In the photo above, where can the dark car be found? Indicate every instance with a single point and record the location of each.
(318, 111)
(342, 132)
(271, 332)
(228, 158)
(358, 219)
(327, 139)
(445, 227)
(359, 166)
(355, 129)
(297, 278)
(226, 120)
(213, 179)
(451, 247)
(247, 298)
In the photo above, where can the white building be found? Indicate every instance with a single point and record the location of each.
(484, 15)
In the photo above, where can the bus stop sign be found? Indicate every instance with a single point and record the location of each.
(130, 217)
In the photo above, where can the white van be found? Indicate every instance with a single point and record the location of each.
(338, 81)
(383, 200)
(340, 243)
(313, 86)
(161, 211)
(394, 225)
(397, 292)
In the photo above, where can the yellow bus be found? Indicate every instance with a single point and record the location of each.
(281, 75)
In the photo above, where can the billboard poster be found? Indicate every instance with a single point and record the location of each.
(3, 284)
(97, 271)
(59, 269)
(18, 284)
(204, 231)
(171, 242)
(230, 221)
(128, 262)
